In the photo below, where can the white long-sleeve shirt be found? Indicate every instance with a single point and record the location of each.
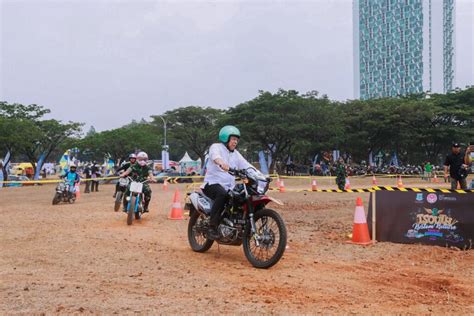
(215, 174)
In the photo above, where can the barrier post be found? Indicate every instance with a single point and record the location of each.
(373, 215)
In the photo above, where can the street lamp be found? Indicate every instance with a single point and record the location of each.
(165, 147)
(164, 152)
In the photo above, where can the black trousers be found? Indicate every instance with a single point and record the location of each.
(220, 197)
(95, 186)
(88, 187)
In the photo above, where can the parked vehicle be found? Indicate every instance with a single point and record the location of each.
(245, 220)
(24, 180)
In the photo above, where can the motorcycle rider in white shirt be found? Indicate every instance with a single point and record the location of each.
(217, 180)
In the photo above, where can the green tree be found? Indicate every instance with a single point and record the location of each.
(30, 135)
(120, 142)
(191, 129)
(276, 122)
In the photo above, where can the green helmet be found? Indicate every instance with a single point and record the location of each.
(227, 131)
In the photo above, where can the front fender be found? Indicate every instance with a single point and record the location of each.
(264, 199)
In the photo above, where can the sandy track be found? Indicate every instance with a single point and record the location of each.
(84, 258)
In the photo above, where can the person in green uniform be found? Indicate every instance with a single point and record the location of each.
(428, 171)
(340, 174)
(140, 172)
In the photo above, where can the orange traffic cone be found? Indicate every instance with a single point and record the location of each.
(435, 178)
(282, 187)
(314, 185)
(374, 180)
(165, 185)
(78, 191)
(347, 186)
(399, 182)
(176, 210)
(360, 230)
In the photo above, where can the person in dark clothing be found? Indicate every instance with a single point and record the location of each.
(140, 172)
(95, 170)
(341, 174)
(87, 174)
(454, 163)
(132, 158)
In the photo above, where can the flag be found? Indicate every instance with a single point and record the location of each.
(263, 162)
(64, 161)
(394, 160)
(38, 166)
(6, 160)
(108, 166)
(204, 168)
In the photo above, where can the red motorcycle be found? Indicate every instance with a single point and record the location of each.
(245, 220)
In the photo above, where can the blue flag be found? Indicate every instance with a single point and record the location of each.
(263, 162)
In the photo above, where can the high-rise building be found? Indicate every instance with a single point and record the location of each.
(403, 47)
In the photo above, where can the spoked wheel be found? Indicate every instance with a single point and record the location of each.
(56, 199)
(118, 201)
(265, 248)
(196, 236)
(131, 210)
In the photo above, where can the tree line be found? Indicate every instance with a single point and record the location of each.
(286, 123)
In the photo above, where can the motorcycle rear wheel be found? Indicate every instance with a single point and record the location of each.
(131, 211)
(118, 201)
(271, 228)
(197, 240)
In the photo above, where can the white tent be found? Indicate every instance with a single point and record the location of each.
(189, 166)
(186, 158)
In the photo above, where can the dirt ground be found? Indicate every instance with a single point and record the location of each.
(83, 258)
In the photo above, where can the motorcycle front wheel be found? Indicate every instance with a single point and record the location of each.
(118, 201)
(131, 210)
(271, 236)
(56, 199)
(196, 237)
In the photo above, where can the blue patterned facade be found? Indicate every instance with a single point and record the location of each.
(391, 35)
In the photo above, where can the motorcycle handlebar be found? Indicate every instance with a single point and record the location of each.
(129, 178)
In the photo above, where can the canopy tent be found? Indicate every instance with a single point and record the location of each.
(189, 166)
(186, 158)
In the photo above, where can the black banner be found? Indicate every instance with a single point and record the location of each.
(443, 219)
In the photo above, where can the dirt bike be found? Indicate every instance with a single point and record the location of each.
(123, 184)
(245, 220)
(65, 192)
(135, 205)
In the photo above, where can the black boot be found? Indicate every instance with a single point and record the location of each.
(145, 207)
(212, 233)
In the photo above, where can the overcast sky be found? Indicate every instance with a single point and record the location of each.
(105, 63)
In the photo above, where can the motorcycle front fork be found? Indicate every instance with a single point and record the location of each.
(253, 230)
(135, 207)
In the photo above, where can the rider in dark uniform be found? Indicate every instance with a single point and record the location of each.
(140, 171)
(131, 160)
